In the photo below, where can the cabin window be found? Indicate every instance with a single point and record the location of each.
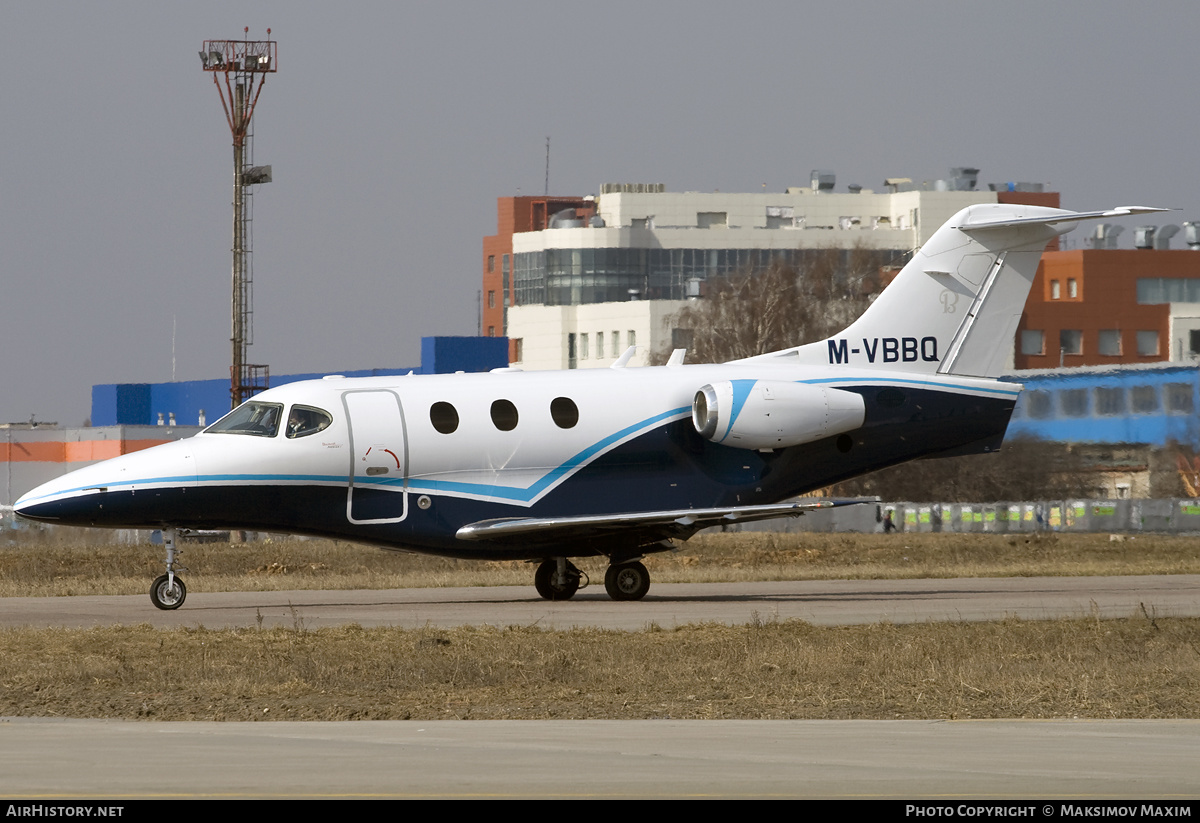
(444, 417)
(306, 420)
(504, 415)
(565, 412)
(258, 419)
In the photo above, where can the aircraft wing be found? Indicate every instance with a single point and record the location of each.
(680, 521)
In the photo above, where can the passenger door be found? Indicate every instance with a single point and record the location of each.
(378, 457)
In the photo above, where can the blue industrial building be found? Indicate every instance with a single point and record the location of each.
(1154, 404)
(199, 402)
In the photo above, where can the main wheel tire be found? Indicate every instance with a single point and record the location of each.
(543, 581)
(628, 581)
(166, 596)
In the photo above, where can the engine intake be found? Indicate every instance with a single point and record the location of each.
(773, 414)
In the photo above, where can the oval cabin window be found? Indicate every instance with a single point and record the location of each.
(444, 417)
(504, 415)
(564, 412)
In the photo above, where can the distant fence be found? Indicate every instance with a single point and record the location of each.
(1172, 516)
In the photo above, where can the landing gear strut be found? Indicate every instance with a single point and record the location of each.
(627, 581)
(168, 592)
(557, 579)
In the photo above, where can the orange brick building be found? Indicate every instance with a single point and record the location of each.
(515, 215)
(1098, 307)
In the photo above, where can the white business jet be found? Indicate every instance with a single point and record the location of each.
(619, 462)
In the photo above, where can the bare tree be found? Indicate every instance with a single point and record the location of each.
(755, 311)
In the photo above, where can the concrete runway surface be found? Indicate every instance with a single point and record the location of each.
(943, 760)
(602, 759)
(828, 602)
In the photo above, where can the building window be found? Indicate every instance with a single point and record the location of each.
(1194, 341)
(1070, 341)
(681, 338)
(491, 299)
(583, 346)
(1151, 290)
(1147, 343)
(1179, 398)
(632, 338)
(491, 263)
(1038, 404)
(1074, 402)
(1110, 342)
(1110, 401)
(571, 350)
(1144, 398)
(1054, 290)
(616, 338)
(1072, 288)
(599, 344)
(491, 331)
(1033, 341)
(518, 349)
(709, 219)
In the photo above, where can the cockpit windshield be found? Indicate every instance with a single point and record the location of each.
(306, 420)
(258, 419)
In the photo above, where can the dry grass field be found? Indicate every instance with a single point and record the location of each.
(1141, 666)
(74, 567)
(1131, 668)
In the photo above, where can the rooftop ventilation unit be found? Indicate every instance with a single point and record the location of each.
(1191, 235)
(1105, 236)
(1143, 237)
(1162, 240)
(964, 178)
(565, 219)
(823, 180)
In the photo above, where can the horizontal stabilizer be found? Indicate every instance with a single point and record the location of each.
(686, 521)
(1052, 220)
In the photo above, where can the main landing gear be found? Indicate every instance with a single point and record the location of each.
(168, 592)
(559, 579)
(627, 581)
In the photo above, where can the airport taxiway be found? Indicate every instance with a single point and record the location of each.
(821, 602)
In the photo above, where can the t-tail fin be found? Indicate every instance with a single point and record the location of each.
(954, 308)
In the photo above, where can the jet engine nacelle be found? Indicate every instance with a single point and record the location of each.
(773, 414)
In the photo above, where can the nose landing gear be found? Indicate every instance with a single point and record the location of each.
(168, 592)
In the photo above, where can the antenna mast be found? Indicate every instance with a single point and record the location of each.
(245, 65)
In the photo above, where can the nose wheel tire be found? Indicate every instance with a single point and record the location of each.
(168, 594)
(628, 581)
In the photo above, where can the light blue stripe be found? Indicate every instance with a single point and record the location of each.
(483, 489)
(741, 391)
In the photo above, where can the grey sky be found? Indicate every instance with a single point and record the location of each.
(393, 128)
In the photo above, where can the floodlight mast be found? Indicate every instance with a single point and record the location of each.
(245, 65)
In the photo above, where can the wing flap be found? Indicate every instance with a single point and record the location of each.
(686, 521)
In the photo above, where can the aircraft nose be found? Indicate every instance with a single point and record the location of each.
(107, 493)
